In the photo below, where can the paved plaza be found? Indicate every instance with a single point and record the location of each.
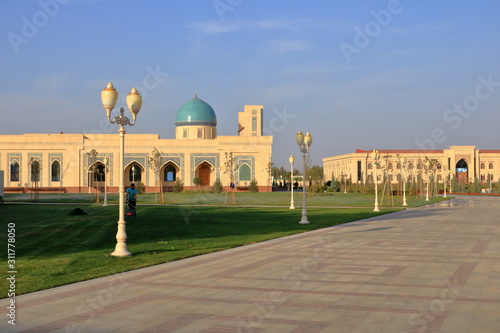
(430, 269)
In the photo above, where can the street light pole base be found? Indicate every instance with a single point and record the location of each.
(121, 251)
(292, 207)
(304, 219)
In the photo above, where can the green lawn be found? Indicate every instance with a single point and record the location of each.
(242, 198)
(53, 248)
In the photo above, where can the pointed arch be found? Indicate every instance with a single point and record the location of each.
(203, 171)
(35, 171)
(169, 172)
(55, 171)
(14, 171)
(134, 171)
(100, 172)
(462, 171)
(244, 172)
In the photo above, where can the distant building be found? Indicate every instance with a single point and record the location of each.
(64, 161)
(465, 162)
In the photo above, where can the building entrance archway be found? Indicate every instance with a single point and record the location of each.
(203, 172)
(462, 171)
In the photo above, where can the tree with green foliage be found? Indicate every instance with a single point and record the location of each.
(476, 188)
(197, 181)
(178, 186)
(217, 186)
(254, 187)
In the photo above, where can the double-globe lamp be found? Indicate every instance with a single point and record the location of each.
(109, 97)
(304, 142)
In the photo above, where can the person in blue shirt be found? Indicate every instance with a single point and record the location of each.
(132, 198)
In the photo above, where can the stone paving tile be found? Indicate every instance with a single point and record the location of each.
(421, 270)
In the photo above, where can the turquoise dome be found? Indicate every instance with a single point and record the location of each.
(196, 112)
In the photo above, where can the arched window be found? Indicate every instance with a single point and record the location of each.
(100, 173)
(185, 133)
(398, 166)
(245, 174)
(483, 166)
(35, 171)
(134, 173)
(56, 171)
(410, 165)
(369, 166)
(170, 173)
(419, 165)
(14, 171)
(490, 166)
(389, 166)
(200, 133)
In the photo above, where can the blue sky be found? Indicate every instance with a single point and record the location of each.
(356, 74)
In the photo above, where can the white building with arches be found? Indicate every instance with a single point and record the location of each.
(466, 163)
(78, 162)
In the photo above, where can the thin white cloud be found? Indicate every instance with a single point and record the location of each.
(52, 83)
(290, 45)
(217, 27)
(214, 27)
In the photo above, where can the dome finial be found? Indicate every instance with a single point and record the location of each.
(196, 94)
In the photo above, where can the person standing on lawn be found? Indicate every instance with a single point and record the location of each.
(132, 198)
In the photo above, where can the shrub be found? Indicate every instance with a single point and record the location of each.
(178, 186)
(217, 186)
(197, 181)
(254, 187)
(140, 187)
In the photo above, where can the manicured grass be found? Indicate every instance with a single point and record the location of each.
(53, 248)
(242, 198)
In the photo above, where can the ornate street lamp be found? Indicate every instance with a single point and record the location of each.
(427, 166)
(105, 204)
(109, 97)
(376, 156)
(403, 164)
(445, 182)
(304, 142)
(291, 159)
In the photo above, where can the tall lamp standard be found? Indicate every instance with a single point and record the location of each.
(446, 175)
(291, 159)
(403, 166)
(304, 142)
(109, 97)
(427, 166)
(376, 156)
(105, 204)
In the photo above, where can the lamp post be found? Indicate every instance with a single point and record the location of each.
(427, 165)
(304, 142)
(291, 160)
(109, 97)
(446, 174)
(403, 166)
(105, 204)
(376, 156)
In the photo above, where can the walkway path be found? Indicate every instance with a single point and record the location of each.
(431, 269)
